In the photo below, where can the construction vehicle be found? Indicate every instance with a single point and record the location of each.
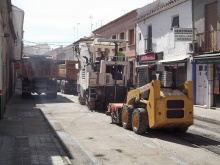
(158, 104)
(102, 79)
(39, 75)
(67, 76)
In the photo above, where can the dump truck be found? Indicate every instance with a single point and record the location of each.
(67, 76)
(102, 79)
(39, 75)
(158, 104)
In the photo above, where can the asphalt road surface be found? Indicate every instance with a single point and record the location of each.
(90, 138)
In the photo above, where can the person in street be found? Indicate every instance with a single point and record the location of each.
(121, 55)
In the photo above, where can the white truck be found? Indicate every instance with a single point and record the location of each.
(101, 79)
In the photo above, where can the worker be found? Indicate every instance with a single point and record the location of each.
(121, 55)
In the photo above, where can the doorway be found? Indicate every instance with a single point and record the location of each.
(201, 84)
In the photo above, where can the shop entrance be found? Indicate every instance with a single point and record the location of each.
(201, 86)
(216, 85)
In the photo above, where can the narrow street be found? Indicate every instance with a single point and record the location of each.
(90, 138)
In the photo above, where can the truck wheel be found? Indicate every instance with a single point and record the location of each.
(116, 117)
(181, 129)
(26, 95)
(52, 95)
(140, 124)
(126, 117)
(82, 100)
(90, 104)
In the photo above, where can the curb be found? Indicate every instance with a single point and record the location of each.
(213, 121)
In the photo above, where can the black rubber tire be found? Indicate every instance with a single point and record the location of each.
(52, 95)
(26, 95)
(116, 117)
(181, 129)
(140, 123)
(126, 116)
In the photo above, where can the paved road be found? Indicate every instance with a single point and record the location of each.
(93, 140)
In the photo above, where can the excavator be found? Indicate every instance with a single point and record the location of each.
(156, 105)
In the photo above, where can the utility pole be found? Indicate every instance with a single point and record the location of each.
(77, 29)
(74, 33)
(91, 23)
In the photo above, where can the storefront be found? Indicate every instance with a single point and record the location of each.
(149, 63)
(145, 66)
(206, 77)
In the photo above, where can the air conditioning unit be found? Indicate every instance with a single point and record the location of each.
(193, 47)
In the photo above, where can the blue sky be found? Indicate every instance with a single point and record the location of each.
(63, 22)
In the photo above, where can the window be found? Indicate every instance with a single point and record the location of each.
(139, 36)
(131, 37)
(148, 40)
(122, 35)
(114, 37)
(175, 22)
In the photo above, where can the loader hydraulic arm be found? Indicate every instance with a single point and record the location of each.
(136, 93)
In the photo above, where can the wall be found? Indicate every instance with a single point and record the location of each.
(18, 20)
(117, 26)
(162, 35)
(199, 16)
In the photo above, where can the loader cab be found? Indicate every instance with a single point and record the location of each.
(170, 75)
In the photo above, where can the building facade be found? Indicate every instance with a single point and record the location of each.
(18, 21)
(8, 38)
(164, 31)
(206, 52)
(38, 49)
(121, 28)
(66, 53)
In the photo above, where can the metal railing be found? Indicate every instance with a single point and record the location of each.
(207, 41)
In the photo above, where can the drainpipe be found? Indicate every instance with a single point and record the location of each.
(193, 63)
(1, 79)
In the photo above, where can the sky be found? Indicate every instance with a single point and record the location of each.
(61, 22)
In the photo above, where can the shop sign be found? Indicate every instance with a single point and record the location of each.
(207, 61)
(183, 34)
(147, 57)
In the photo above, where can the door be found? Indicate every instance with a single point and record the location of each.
(201, 84)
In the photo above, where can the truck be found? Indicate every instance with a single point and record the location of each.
(101, 79)
(67, 76)
(39, 75)
(158, 104)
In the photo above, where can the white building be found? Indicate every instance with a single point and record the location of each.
(66, 53)
(163, 33)
(38, 49)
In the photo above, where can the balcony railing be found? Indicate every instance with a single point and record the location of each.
(207, 41)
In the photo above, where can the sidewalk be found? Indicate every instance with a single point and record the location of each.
(208, 115)
(26, 138)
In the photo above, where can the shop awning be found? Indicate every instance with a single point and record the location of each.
(207, 59)
(175, 59)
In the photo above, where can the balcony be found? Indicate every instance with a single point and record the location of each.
(207, 42)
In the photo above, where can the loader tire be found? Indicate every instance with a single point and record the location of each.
(126, 117)
(140, 124)
(181, 129)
